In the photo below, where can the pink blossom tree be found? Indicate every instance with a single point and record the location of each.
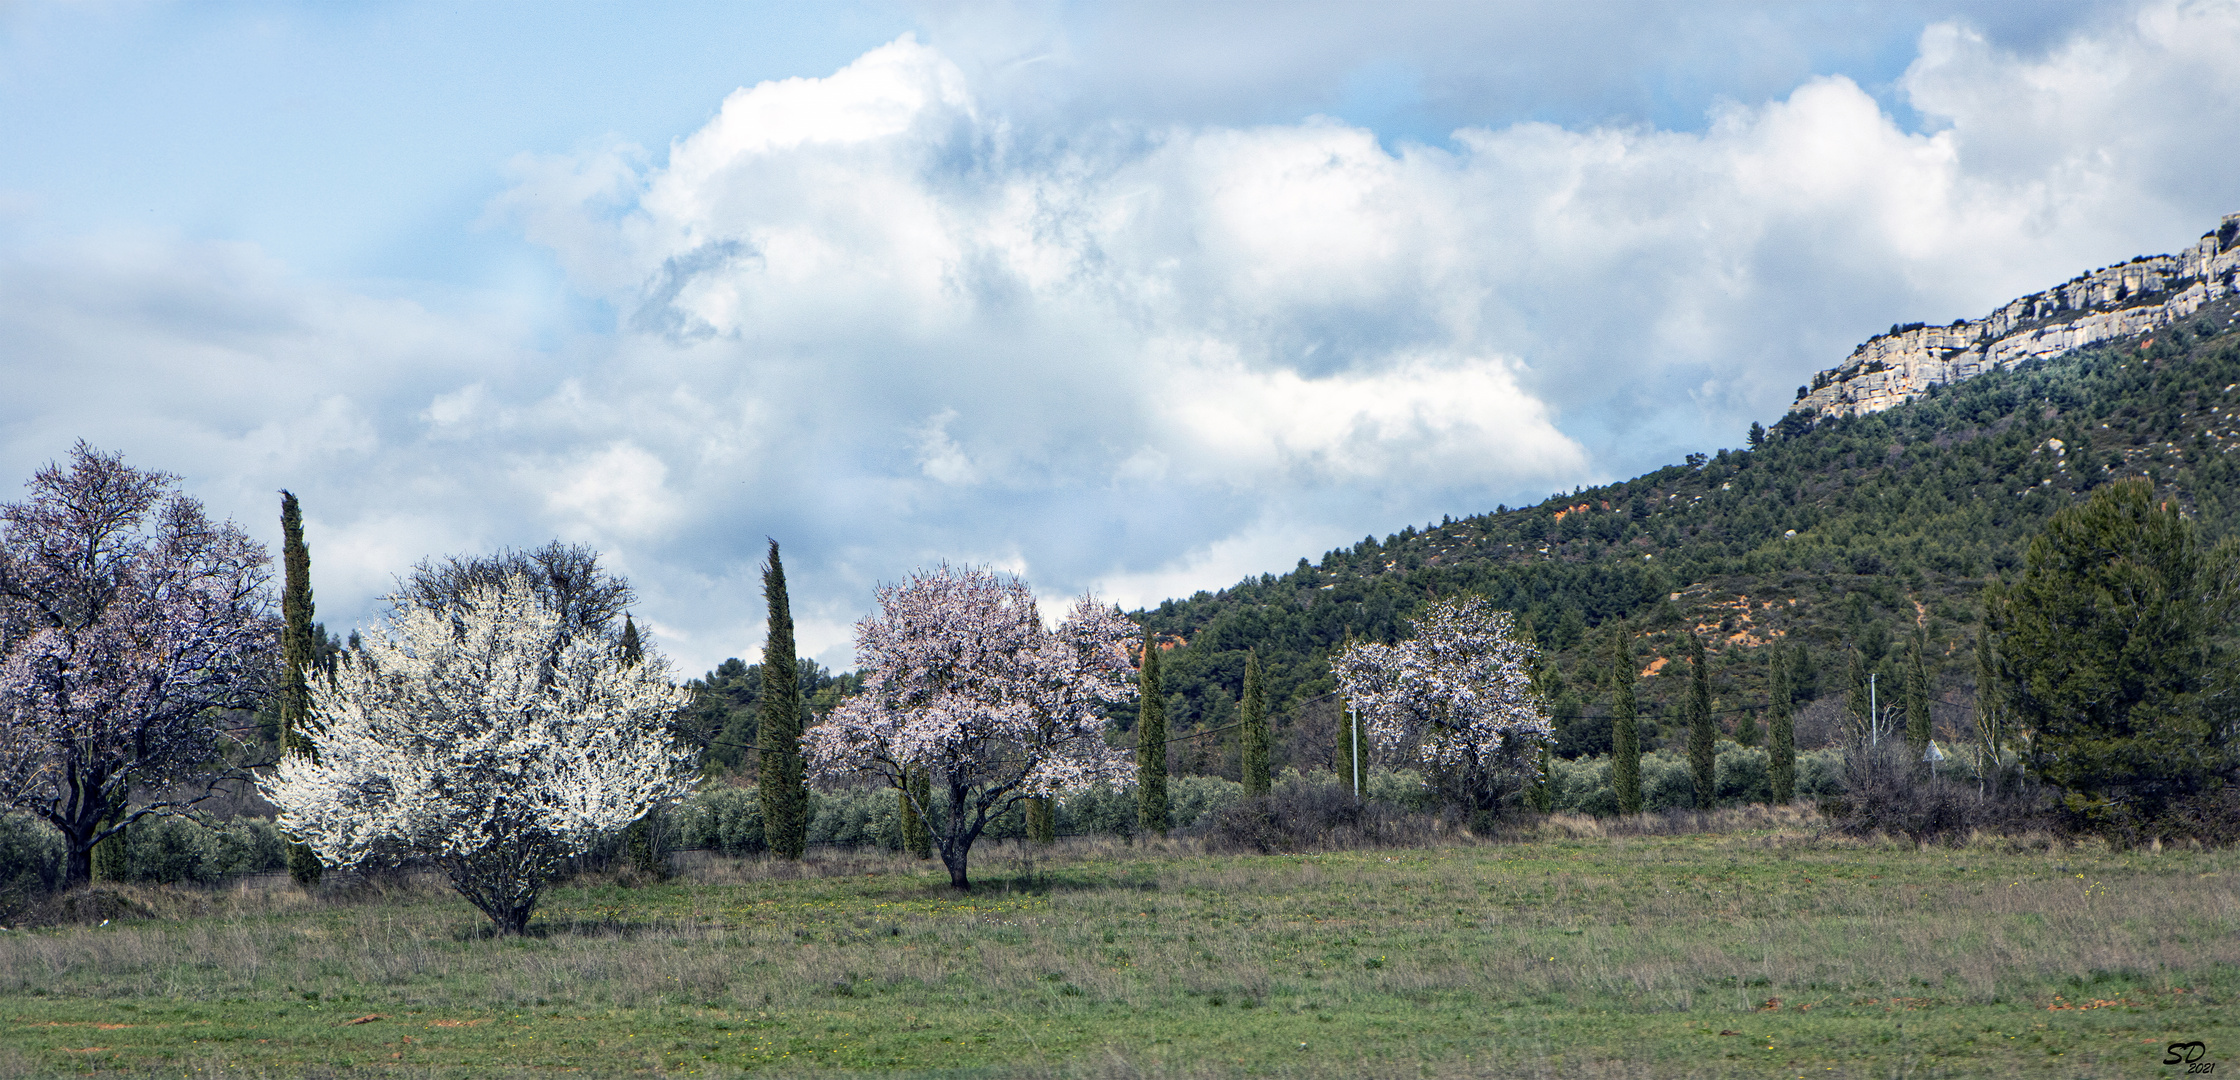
(127, 622)
(964, 685)
(1456, 700)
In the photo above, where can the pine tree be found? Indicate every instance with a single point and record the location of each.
(1151, 746)
(917, 839)
(298, 654)
(1918, 727)
(1702, 729)
(1625, 730)
(1781, 746)
(1254, 734)
(785, 793)
(1746, 729)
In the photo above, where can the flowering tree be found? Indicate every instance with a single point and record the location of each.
(1457, 700)
(965, 686)
(127, 621)
(486, 733)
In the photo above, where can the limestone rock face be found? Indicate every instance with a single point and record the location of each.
(2129, 298)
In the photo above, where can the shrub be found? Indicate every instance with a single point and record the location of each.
(1583, 785)
(727, 820)
(1887, 791)
(30, 862)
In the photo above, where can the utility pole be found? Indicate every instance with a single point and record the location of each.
(1874, 716)
(1353, 731)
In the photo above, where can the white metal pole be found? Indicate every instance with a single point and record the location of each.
(1353, 730)
(1874, 715)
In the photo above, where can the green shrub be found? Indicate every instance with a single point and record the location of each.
(727, 820)
(30, 861)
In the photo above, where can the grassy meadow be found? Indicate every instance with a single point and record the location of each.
(1760, 948)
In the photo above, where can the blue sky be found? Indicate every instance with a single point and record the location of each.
(1139, 298)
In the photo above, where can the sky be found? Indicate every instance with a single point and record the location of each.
(1138, 299)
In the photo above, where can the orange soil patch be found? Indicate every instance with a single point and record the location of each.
(1655, 666)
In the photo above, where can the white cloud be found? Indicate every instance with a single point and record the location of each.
(894, 315)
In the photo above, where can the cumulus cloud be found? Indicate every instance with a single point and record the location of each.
(893, 314)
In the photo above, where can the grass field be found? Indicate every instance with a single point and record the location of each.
(1754, 952)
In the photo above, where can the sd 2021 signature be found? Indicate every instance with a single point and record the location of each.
(2190, 1055)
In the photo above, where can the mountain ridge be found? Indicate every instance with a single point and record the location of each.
(2137, 296)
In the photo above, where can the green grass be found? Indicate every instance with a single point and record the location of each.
(1762, 953)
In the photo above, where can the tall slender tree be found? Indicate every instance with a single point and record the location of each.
(1859, 697)
(1918, 727)
(916, 790)
(1990, 714)
(1703, 729)
(1781, 744)
(1254, 734)
(643, 839)
(1625, 728)
(1151, 745)
(1042, 820)
(633, 650)
(298, 653)
(782, 772)
(1353, 743)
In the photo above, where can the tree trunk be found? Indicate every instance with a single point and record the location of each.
(953, 856)
(77, 866)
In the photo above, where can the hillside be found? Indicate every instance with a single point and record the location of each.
(1837, 532)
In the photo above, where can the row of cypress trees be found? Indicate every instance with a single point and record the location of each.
(1703, 729)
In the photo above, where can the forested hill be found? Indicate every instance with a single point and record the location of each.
(1855, 532)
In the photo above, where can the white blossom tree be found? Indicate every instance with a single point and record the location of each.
(128, 622)
(964, 685)
(1456, 700)
(486, 734)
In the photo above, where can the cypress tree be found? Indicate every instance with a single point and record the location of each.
(641, 842)
(1254, 734)
(1858, 697)
(1703, 731)
(1151, 746)
(1918, 728)
(1781, 748)
(1625, 730)
(111, 862)
(1042, 820)
(1746, 729)
(1989, 769)
(917, 839)
(1352, 745)
(633, 650)
(298, 653)
(785, 792)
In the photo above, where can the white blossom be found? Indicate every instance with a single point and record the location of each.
(485, 736)
(964, 684)
(1456, 700)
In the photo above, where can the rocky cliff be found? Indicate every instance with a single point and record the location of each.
(2128, 298)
